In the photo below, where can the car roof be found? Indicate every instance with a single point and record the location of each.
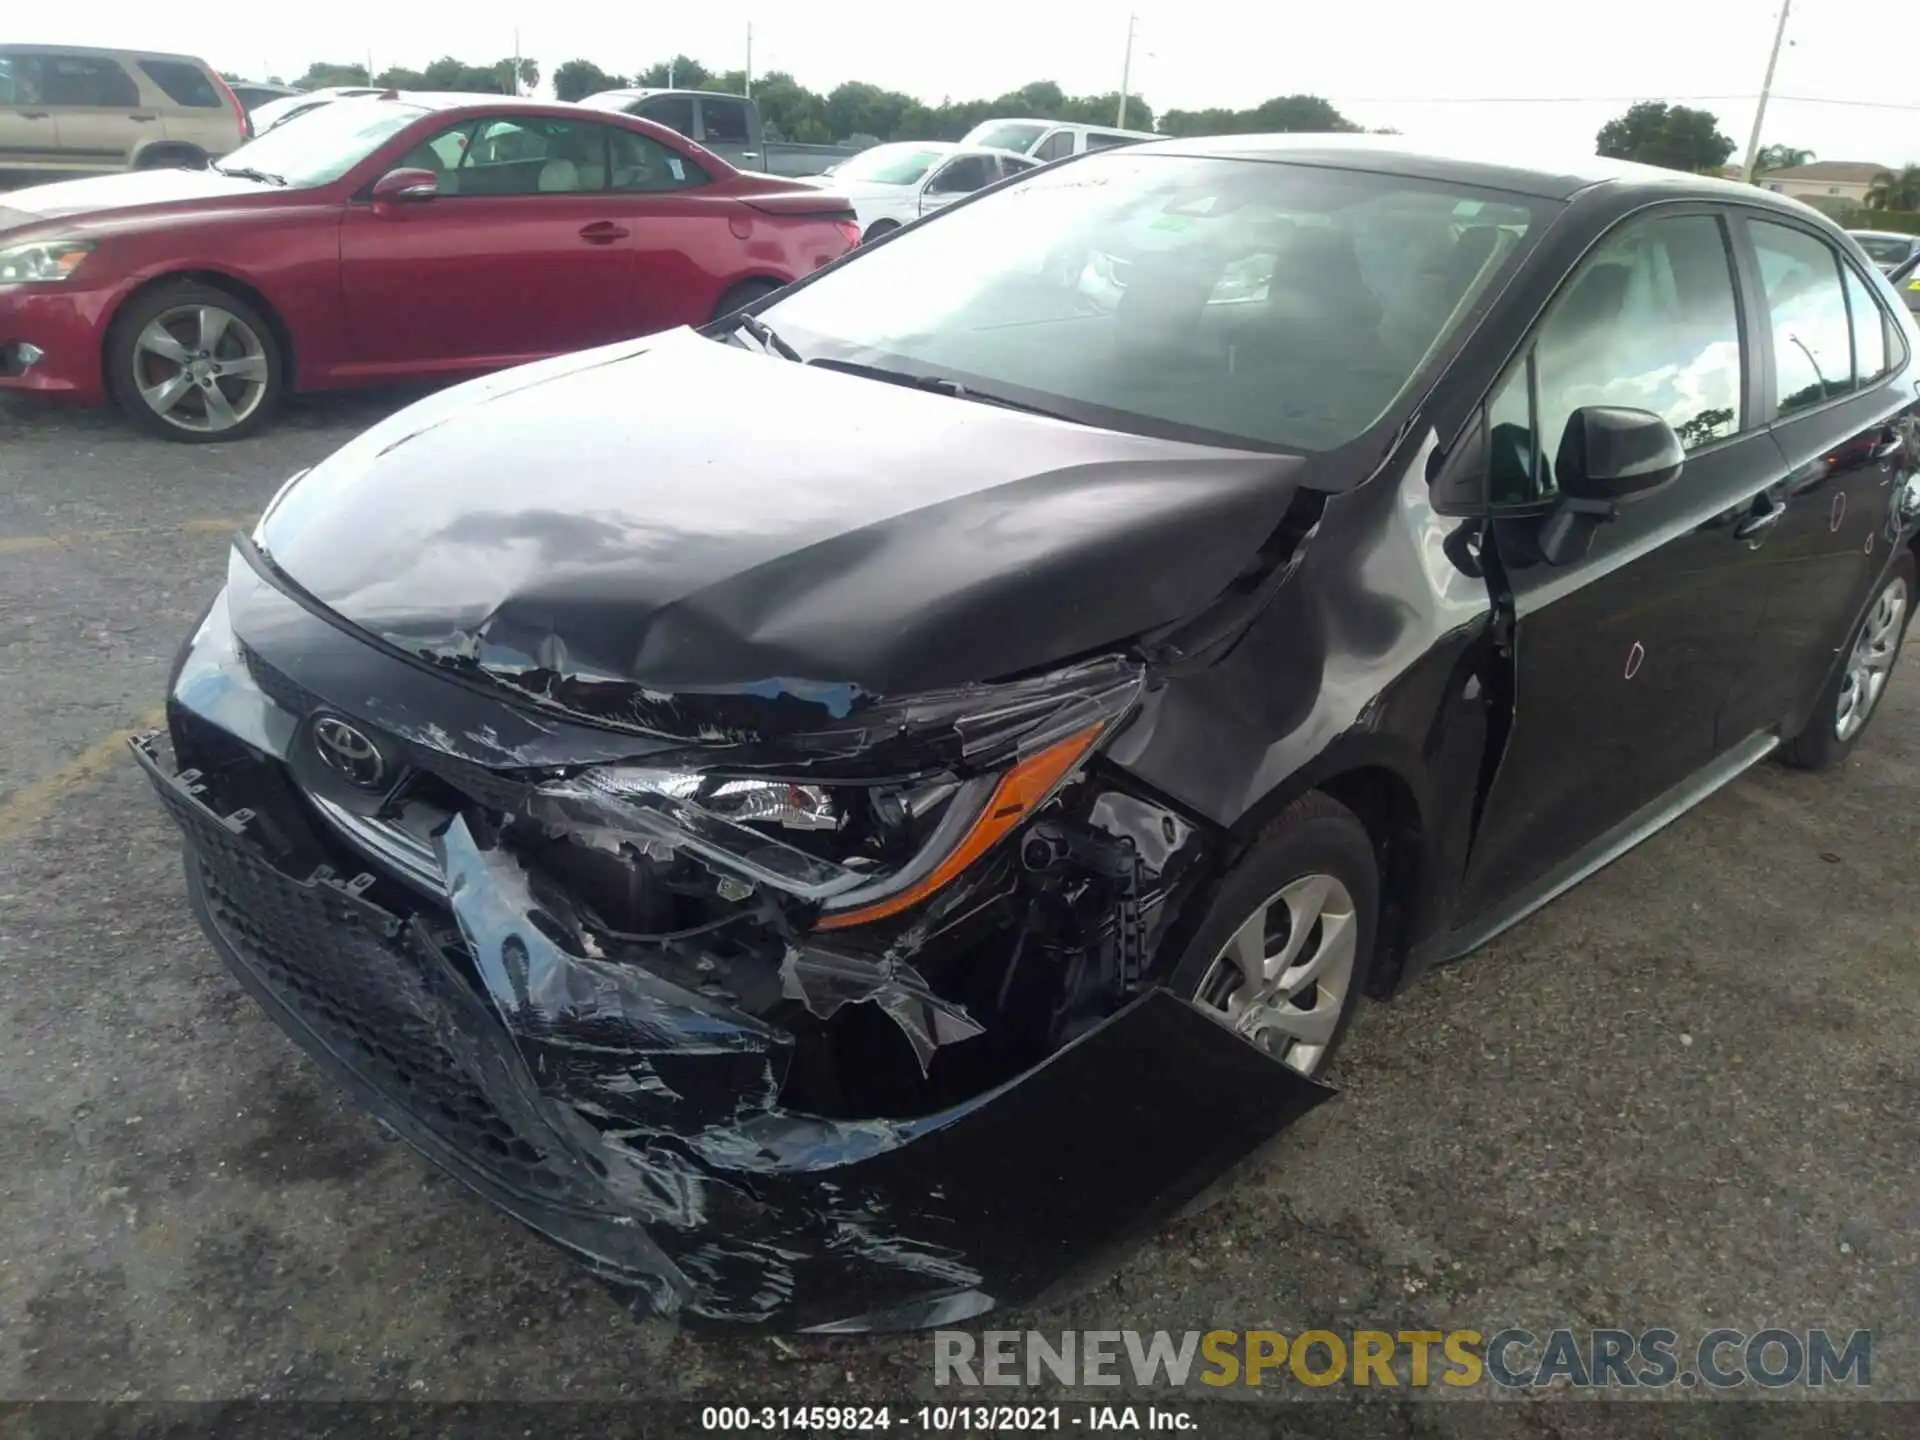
(1063, 125)
(1547, 173)
(1885, 234)
(9, 48)
(632, 93)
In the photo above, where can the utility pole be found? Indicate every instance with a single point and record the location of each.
(516, 60)
(369, 65)
(672, 66)
(1766, 89)
(1126, 74)
(749, 59)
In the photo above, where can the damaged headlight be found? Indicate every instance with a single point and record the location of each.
(871, 817)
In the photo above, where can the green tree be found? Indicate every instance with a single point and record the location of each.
(577, 79)
(1895, 192)
(1781, 157)
(320, 75)
(1675, 137)
(682, 73)
(1282, 115)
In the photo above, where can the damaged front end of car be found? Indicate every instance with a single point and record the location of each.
(794, 1006)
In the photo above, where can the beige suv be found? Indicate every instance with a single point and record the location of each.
(65, 108)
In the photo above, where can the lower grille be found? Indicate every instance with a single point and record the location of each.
(358, 979)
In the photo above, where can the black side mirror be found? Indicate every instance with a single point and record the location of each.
(1610, 455)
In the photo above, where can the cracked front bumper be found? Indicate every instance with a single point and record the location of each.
(638, 1124)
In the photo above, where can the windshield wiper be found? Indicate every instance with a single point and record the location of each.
(941, 385)
(759, 330)
(247, 172)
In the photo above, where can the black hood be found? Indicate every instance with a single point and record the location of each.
(694, 516)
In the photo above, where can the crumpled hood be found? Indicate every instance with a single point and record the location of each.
(696, 516)
(121, 197)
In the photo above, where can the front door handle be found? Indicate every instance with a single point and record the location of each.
(603, 232)
(144, 119)
(34, 114)
(1754, 528)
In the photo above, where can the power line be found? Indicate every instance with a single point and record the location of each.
(1602, 100)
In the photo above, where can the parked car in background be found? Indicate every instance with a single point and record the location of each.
(69, 109)
(1887, 249)
(841, 817)
(405, 238)
(253, 93)
(275, 113)
(892, 185)
(1905, 278)
(728, 125)
(1051, 139)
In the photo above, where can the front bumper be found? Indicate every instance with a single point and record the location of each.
(66, 327)
(637, 1123)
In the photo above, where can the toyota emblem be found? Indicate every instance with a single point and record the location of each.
(349, 753)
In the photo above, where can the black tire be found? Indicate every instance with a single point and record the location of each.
(247, 354)
(746, 293)
(167, 157)
(1313, 836)
(877, 229)
(1819, 746)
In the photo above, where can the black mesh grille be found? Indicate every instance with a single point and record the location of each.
(356, 978)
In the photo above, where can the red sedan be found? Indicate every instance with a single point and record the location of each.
(403, 237)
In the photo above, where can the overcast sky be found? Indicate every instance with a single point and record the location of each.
(1373, 60)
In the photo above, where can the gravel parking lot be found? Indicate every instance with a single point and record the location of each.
(1683, 1096)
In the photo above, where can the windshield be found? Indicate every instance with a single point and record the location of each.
(1243, 302)
(325, 143)
(1885, 249)
(1006, 135)
(889, 165)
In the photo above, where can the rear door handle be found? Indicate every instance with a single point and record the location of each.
(144, 119)
(603, 232)
(34, 114)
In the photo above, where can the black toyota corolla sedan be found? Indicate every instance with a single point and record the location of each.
(838, 818)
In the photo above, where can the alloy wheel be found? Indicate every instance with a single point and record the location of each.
(200, 368)
(1871, 661)
(1282, 978)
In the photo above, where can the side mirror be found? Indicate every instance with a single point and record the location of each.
(1612, 453)
(405, 186)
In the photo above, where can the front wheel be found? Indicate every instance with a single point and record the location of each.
(1853, 694)
(878, 229)
(191, 363)
(1282, 954)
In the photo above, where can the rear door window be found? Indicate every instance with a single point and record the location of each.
(724, 121)
(673, 111)
(183, 83)
(1807, 301)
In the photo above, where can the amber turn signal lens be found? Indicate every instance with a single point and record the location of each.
(1020, 791)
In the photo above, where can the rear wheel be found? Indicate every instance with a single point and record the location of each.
(192, 363)
(746, 293)
(1282, 954)
(1852, 696)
